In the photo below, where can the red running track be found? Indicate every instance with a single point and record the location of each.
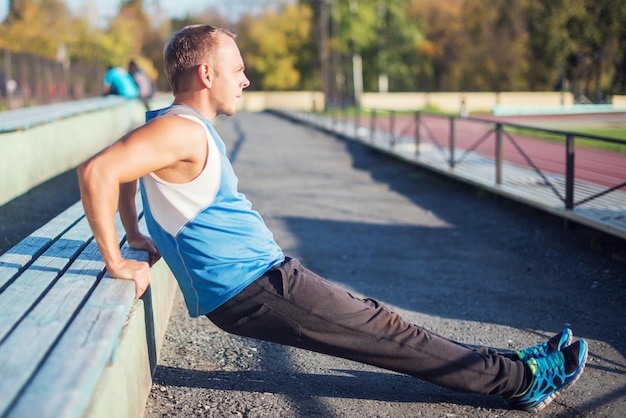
(591, 165)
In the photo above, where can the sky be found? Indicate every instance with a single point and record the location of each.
(108, 8)
(172, 8)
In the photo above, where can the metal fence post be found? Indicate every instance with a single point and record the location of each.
(4, 90)
(392, 128)
(569, 171)
(417, 132)
(498, 155)
(372, 126)
(452, 162)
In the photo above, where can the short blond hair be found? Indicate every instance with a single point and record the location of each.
(188, 48)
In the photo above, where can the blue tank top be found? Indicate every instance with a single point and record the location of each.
(206, 231)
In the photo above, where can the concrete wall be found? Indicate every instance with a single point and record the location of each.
(474, 102)
(256, 101)
(448, 102)
(44, 148)
(619, 101)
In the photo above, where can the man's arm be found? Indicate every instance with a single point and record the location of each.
(110, 178)
(100, 195)
(128, 215)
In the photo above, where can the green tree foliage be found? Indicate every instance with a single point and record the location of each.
(386, 38)
(602, 24)
(126, 33)
(428, 45)
(441, 23)
(524, 45)
(378, 31)
(494, 45)
(549, 39)
(272, 43)
(42, 27)
(36, 27)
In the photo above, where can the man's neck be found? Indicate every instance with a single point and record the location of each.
(199, 105)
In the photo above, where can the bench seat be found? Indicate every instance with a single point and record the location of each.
(73, 341)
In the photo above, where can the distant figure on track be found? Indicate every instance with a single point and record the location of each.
(144, 84)
(229, 267)
(118, 82)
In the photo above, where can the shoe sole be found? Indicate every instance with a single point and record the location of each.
(553, 395)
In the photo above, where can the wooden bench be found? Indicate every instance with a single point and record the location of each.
(73, 341)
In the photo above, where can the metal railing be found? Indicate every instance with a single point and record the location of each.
(442, 132)
(28, 80)
(500, 132)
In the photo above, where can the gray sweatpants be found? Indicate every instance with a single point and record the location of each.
(293, 306)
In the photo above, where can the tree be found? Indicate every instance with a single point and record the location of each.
(125, 36)
(401, 41)
(36, 27)
(495, 45)
(578, 44)
(598, 41)
(271, 43)
(439, 53)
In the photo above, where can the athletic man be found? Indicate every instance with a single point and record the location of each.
(229, 267)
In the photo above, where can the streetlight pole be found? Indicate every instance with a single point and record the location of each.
(324, 4)
(357, 61)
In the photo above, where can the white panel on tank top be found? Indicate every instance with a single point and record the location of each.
(173, 205)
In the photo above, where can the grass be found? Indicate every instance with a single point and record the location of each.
(619, 133)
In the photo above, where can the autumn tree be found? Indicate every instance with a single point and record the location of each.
(271, 44)
(399, 45)
(523, 45)
(124, 37)
(36, 27)
(597, 36)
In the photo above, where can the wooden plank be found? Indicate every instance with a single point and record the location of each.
(81, 332)
(25, 349)
(16, 259)
(65, 383)
(24, 292)
(89, 342)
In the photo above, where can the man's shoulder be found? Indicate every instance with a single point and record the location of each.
(180, 110)
(170, 125)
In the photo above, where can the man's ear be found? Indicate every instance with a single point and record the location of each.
(205, 72)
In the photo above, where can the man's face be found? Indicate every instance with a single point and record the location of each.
(229, 78)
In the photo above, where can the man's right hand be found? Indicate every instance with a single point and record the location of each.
(137, 271)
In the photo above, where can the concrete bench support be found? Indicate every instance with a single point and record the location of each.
(41, 142)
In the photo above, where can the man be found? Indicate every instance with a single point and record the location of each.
(230, 269)
(143, 83)
(118, 82)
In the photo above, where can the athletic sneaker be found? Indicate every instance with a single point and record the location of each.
(551, 374)
(556, 343)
